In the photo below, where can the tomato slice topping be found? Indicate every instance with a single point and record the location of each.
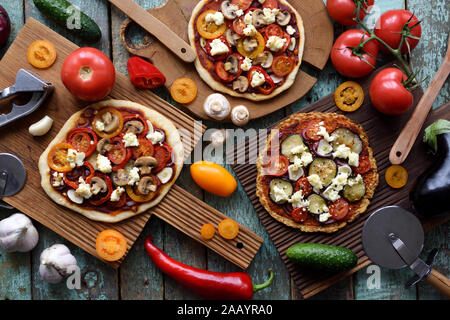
(220, 56)
(162, 154)
(209, 30)
(83, 139)
(364, 165)
(239, 26)
(278, 166)
(311, 130)
(135, 195)
(74, 183)
(223, 74)
(145, 148)
(118, 152)
(57, 157)
(339, 209)
(273, 30)
(271, 4)
(268, 86)
(282, 65)
(242, 4)
(303, 185)
(101, 198)
(116, 129)
(256, 51)
(299, 214)
(124, 162)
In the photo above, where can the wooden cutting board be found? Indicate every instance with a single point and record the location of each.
(179, 208)
(382, 131)
(176, 15)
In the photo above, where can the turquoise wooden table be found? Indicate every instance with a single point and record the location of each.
(138, 278)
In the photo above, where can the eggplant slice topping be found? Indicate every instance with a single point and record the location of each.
(347, 137)
(354, 192)
(289, 143)
(326, 169)
(286, 186)
(316, 204)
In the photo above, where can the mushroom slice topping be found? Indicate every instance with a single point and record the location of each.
(250, 44)
(71, 194)
(145, 185)
(228, 10)
(98, 185)
(258, 18)
(233, 64)
(283, 18)
(120, 178)
(104, 145)
(231, 37)
(134, 126)
(264, 59)
(240, 84)
(145, 164)
(111, 122)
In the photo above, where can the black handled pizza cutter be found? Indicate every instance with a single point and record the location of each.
(393, 238)
(12, 176)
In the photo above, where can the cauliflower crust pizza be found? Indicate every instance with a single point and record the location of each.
(316, 172)
(247, 48)
(112, 160)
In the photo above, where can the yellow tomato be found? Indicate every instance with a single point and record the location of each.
(213, 178)
(256, 51)
(209, 30)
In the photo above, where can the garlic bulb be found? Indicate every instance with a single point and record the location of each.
(240, 115)
(17, 233)
(217, 106)
(56, 263)
(41, 127)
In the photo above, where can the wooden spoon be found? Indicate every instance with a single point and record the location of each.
(407, 137)
(158, 29)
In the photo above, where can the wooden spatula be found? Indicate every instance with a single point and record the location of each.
(158, 29)
(407, 137)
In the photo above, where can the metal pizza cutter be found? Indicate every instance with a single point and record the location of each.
(12, 176)
(393, 238)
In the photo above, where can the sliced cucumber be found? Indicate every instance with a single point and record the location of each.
(347, 137)
(289, 144)
(354, 190)
(316, 204)
(326, 169)
(280, 190)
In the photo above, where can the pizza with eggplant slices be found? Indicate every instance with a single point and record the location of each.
(112, 160)
(317, 172)
(247, 48)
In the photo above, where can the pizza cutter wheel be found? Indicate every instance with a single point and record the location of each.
(393, 238)
(12, 176)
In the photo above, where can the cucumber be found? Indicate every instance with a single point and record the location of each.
(322, 257)
(62, 12)
(326, 169)
(354, 192)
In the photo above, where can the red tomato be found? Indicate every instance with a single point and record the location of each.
(282, 65)
(221, 56)
(273, 30)
(145, 148)
(339, 209)
(388, 94)
(350, 63)
(390, 26)
(343, 11)
(364, 165)
(299, 214)
(271, 4)
(278, 166)
(239, 26)
(242, 4)
(118, 153)
(101, 198)
(268, 86)
(83, 139)
(162, 154)
(225, 75)
(311, 131)
(88, 74)
(303, 185)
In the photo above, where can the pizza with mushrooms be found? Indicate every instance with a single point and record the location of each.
(317, 172)
(112, 160)
(247, 48)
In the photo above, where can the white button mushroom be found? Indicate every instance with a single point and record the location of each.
(217, 106)
(56, 263)
(41, 127)
(240, 115)
(17, 233)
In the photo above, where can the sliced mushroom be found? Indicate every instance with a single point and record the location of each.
(71, 194)
(120, 178)
(283, 18)
(240, 115)
(104, 145)
(240, 84)
(145, 164)
(233, 64)
(98, 185)
(134, 126)
(264, 59)
(111, 122)
(250, 44)
(258, 19)
(231, 37)
(145, 185)
(228, 10)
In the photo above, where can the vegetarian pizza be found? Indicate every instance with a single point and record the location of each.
(316, 172)
(112, 160)
(247, 48)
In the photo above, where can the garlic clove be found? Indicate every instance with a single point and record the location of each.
(165, 175)
(240, 115)
(17, 233)
(56, 263)
(41, 127)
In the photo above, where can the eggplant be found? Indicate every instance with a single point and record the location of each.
(430, 195)
(5, 26)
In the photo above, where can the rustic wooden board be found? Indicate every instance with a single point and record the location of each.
(176, 15)
(382, 131)
(76, 228)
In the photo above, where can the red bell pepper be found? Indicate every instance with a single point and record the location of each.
(143, 74)
(207, 284)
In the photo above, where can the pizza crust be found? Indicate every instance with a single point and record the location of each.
(172, 137)
(371, 179)
(217, 86)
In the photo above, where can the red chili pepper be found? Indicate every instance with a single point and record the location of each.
(143, 74)
(207, 284)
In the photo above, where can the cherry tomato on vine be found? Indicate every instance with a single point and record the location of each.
(351, 62)
(343, 11)
(388, 94)
(392, 24)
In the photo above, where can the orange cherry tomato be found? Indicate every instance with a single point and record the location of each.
(396, 176)
(282, 65)
(364, 165)
(183, 90)
(299, 214)
(41, 54)
(209, 30)
(228, 228)
(255, 52)
(111, 245)
(99, 117)
(213, 178)
(207, 231)
(349, 96)
(135, 195)
(242, 4)
(83, 139)
(57, 157)
(339, 209)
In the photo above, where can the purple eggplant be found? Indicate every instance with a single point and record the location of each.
(322, 149)
(5, 26)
